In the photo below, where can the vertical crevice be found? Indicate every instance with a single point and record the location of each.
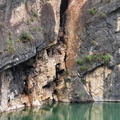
(63, 14)
(63, 7)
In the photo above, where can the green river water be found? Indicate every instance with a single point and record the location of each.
(66, 111)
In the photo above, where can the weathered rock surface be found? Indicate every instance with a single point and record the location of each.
(33, 82)
(98, 41)
(62, 51)
(38, 19)
(28, 27)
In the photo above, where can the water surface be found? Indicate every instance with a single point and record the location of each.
(66, 111)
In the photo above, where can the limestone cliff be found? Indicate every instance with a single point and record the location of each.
(60, 50)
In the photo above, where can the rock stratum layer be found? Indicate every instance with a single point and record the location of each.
(60, 50)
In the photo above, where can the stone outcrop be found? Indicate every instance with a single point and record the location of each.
(99, 50)
(32, 83)
(60, 50)
(29, 32)
(92, 51)
(36, 21)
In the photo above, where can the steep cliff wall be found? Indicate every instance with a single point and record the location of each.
(29, 32)
(92, 51)
(99, 50)
(26, 28)
(58, 50)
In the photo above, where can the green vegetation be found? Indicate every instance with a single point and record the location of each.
(103, 15)
(83, 68)
(88, 58)
(10, 47)
(25, 37)
(98, 57)
(83, 81)
(80, 62)
(28, 21)
(37, 29)
(9, 35)
(26, 4)
(94, 42)
(66, 72)
(68, 79)
(93, 11)
(91, 59)
(109, 1)
(17, 40)
(110, 90)
(34, 13)
(32, 19)
(82, 93)
(107, 58)
(10, 43)
(102, 1)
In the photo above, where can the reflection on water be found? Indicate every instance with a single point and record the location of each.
(66, 111)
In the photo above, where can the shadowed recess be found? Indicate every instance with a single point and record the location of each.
(63, 7)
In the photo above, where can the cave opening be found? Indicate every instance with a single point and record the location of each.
(63, 7)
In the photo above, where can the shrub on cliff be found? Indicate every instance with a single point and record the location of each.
(80, 62)
(10, 46)
(25, 37)
(107, 58)
(93, 11)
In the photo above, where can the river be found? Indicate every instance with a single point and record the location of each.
(67, 111)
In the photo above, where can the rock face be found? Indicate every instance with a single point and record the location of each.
(60, 50)
(26, 28)
(92, 52)
(31, 83)
(99, 50)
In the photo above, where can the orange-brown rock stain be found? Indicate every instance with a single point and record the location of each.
(74, 12)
